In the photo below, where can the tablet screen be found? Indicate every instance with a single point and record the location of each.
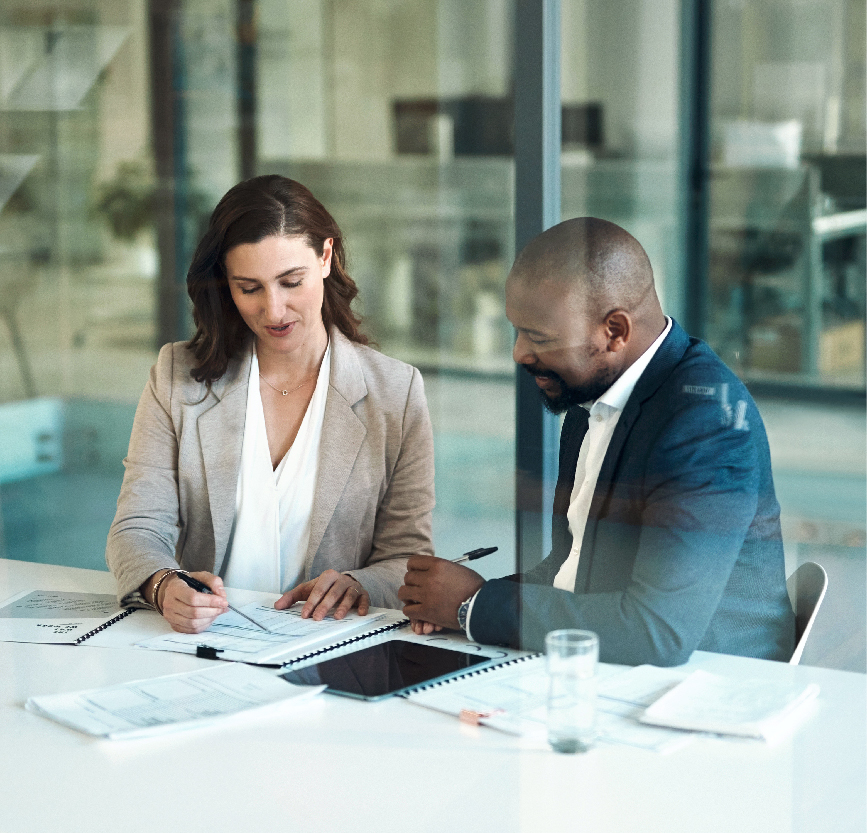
(385, 669)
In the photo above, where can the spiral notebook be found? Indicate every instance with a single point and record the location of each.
(512, 697)
(59, 617)
(290, 638)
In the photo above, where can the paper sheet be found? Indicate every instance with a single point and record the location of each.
(164, 704)
(236, 639)
(53, 616)
(755, 708)
(514, 700)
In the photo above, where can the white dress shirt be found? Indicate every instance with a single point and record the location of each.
(604, 415)
(272, 506)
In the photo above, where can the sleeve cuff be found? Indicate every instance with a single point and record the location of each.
(470, 614)
(136, 599)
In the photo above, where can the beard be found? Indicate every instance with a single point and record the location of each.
(571, 395)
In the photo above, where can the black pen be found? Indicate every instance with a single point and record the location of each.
(201, 587)
(472, 555)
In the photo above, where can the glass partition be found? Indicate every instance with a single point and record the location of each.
(786, 278)
(621, 117)
(124, 122)
(77, 269)
(788, 212)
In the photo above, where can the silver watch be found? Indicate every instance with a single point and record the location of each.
(463, 610)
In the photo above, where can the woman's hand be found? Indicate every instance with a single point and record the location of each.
(187, 610)
(324, 593)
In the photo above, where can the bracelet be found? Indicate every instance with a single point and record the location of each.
(156, 590)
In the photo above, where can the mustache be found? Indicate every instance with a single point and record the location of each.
(536, 371)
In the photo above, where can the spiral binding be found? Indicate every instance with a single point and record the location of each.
(384, 629)
(468, 674)
(105, 625)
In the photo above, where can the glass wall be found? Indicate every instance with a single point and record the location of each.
(787, 216)
(77, 268)
(124, 122)
(619, 85)
(786, 279)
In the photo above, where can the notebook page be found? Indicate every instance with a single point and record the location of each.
(52, 616)
(289, 635)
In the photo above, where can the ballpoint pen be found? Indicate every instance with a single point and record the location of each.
(472, 555)
(201, 587)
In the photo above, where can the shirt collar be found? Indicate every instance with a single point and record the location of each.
(616, 397)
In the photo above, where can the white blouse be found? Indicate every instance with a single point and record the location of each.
(271, 529)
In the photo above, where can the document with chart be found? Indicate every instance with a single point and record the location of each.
(166, 704)
(231, 637)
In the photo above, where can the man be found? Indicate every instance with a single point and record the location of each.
(666, 533)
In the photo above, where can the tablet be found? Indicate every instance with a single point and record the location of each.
(388, 668)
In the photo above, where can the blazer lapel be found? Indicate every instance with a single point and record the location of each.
(663, 362)
(657, 371)
(342, 436)
(221, 437)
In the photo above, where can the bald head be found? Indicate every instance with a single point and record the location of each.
(605, 264)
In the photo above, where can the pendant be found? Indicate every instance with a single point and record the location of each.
(285, 393)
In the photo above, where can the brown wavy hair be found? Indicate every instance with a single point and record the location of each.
(252, 210)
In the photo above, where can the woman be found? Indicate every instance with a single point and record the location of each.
(275, 449)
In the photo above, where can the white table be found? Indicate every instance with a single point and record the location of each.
(345, 765)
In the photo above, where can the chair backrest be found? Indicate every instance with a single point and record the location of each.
(806, 586)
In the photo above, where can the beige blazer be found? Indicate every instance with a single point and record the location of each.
(374, 490)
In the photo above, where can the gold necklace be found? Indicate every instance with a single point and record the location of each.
(284, 392)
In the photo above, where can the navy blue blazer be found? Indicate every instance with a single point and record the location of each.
(682, 548)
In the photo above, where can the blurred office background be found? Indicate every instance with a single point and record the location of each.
(123, 121)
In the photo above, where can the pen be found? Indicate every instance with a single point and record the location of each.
(472, 555)
(201, 587)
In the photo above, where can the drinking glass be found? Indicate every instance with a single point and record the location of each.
(572, 656)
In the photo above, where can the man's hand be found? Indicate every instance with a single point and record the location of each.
(434, 588)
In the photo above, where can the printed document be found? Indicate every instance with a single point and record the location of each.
(55, 616)
(514, 699)
(754, 708)
(234, 638)
(165, 704)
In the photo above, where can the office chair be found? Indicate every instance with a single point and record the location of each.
(806, 586)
